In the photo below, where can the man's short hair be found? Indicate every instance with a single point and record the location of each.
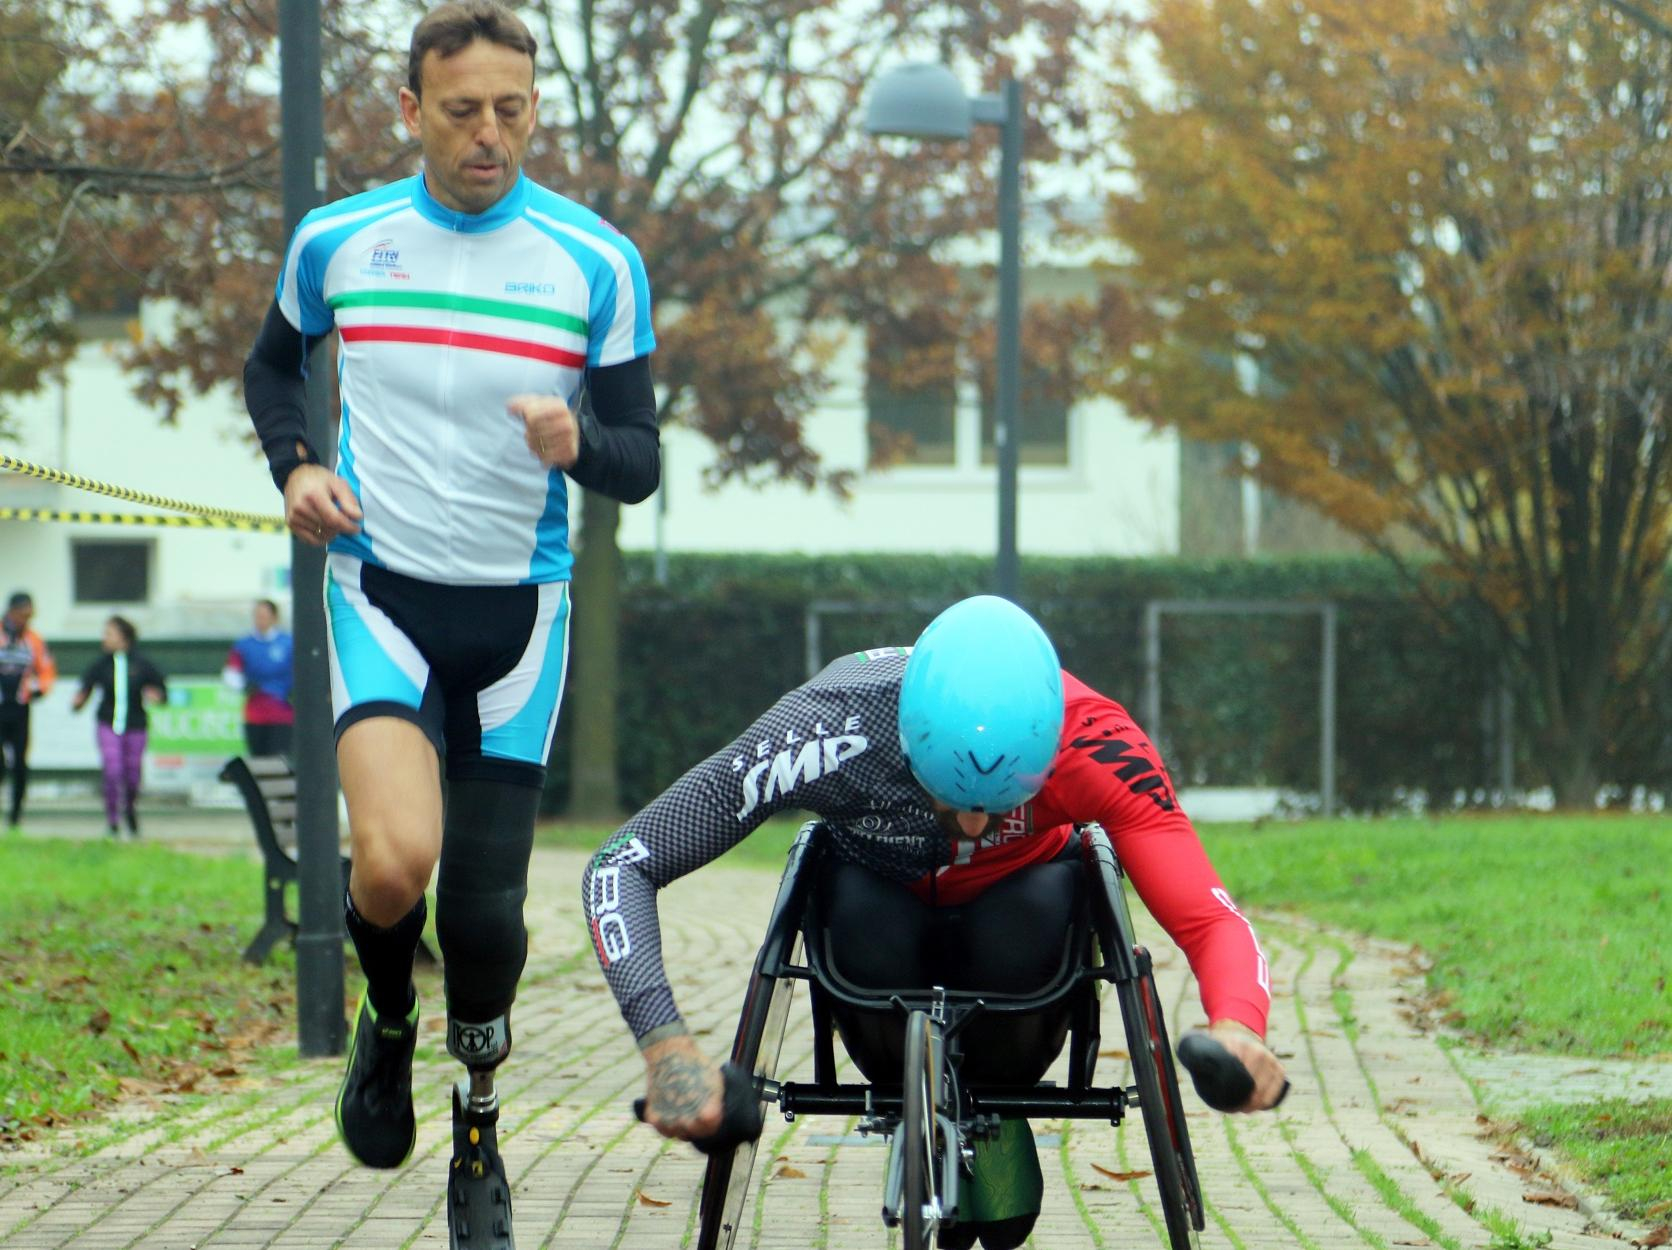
(451, 28)
(269, 605)
(22, 599)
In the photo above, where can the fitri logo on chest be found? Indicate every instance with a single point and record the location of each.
(384, 261)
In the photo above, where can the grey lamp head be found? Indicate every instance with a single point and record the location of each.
(922, 101)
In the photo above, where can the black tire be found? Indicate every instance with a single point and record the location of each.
(1163, 1112)
(918, 1133)
(760, 1039)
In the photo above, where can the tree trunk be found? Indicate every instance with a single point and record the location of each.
(1570, 719)
(1574, 774)
(594, 680)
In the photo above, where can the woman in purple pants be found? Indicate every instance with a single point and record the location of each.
(126, 682)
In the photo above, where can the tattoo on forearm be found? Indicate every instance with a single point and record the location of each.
(678, 1088)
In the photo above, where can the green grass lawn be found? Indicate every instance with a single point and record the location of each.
(1548, 933)
(122, 970)
(1624, 1147)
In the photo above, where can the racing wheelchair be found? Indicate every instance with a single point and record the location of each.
(937, 1109)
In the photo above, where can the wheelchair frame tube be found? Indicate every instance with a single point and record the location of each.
(1030, 1101)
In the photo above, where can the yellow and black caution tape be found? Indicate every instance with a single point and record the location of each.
(261, 525)
(196, 514)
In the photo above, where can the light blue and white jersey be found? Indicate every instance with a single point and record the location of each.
(442, 318)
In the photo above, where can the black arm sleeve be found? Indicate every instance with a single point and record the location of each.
(621, 449)
(274, 378)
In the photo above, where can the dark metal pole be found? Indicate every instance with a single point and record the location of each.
(1007, 425)
(322, 1029)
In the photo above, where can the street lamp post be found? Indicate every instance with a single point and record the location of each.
(321, 1029)
(927, 101)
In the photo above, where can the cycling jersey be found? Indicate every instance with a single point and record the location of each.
(443, 317)
(832, 747)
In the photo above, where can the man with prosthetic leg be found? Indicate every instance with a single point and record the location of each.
(492, 346)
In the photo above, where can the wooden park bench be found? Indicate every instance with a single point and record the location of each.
(267, 784)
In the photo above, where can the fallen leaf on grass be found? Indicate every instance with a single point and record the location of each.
(1658, 1209)
(789, 1172)
(98, 1022)
(645, 1200)
(1661, 1236)
(1119, 1176)
(1552, 1198)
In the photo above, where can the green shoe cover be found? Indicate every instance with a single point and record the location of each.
(1007, 1180)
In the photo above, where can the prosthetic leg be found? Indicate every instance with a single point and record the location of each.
(478, 1194)
(480, 891)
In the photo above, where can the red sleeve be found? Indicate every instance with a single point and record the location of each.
(234, 660)
(1110, 772)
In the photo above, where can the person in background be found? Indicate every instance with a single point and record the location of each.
(126, 682)
(259, 664)
(27, 671)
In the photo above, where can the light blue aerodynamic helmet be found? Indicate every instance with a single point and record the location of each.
(981, 706)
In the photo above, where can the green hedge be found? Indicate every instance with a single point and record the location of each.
(705, 654)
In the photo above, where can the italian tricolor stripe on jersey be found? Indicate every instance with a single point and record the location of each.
(462, 338)
(461, 303)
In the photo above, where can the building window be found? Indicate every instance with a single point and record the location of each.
(911, 396)
(111, 571)
(1044, 420)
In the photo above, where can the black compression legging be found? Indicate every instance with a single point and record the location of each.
(1007, 940)
(14, 751)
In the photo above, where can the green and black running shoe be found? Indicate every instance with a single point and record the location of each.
(478, 1195)
(999, 1203)
(374, 1105)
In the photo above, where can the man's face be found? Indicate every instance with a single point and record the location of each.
(264, 618)
(970, 825)
(473, 121)
(20, 616)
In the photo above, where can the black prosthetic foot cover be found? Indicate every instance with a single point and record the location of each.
(478, 1195)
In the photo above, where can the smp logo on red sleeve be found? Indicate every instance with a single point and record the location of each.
(1142, 773)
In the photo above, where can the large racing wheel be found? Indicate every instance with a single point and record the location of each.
(1154, 1079)
(760, 1039)
(1158, 1099)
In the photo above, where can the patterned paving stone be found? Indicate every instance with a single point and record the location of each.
(1382, 1144)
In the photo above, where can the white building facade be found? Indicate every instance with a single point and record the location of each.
(1110, 489)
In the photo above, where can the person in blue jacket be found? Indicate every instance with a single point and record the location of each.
(259, 664)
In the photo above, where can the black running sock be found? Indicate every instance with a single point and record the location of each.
(386, 956)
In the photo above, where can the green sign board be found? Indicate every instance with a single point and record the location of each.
(201, 717)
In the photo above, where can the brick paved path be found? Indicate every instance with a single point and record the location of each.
(1380, 1145)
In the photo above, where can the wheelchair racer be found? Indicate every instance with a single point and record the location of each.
(950, 776)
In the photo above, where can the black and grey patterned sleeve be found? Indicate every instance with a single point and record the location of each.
(789, 758)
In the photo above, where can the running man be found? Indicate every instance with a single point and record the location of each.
(950, 777)
(472, 308)
(27, 671)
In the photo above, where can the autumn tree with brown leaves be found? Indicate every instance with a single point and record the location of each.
(1439, 232)
(723, 138)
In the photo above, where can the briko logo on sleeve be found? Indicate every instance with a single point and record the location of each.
(801, 758)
